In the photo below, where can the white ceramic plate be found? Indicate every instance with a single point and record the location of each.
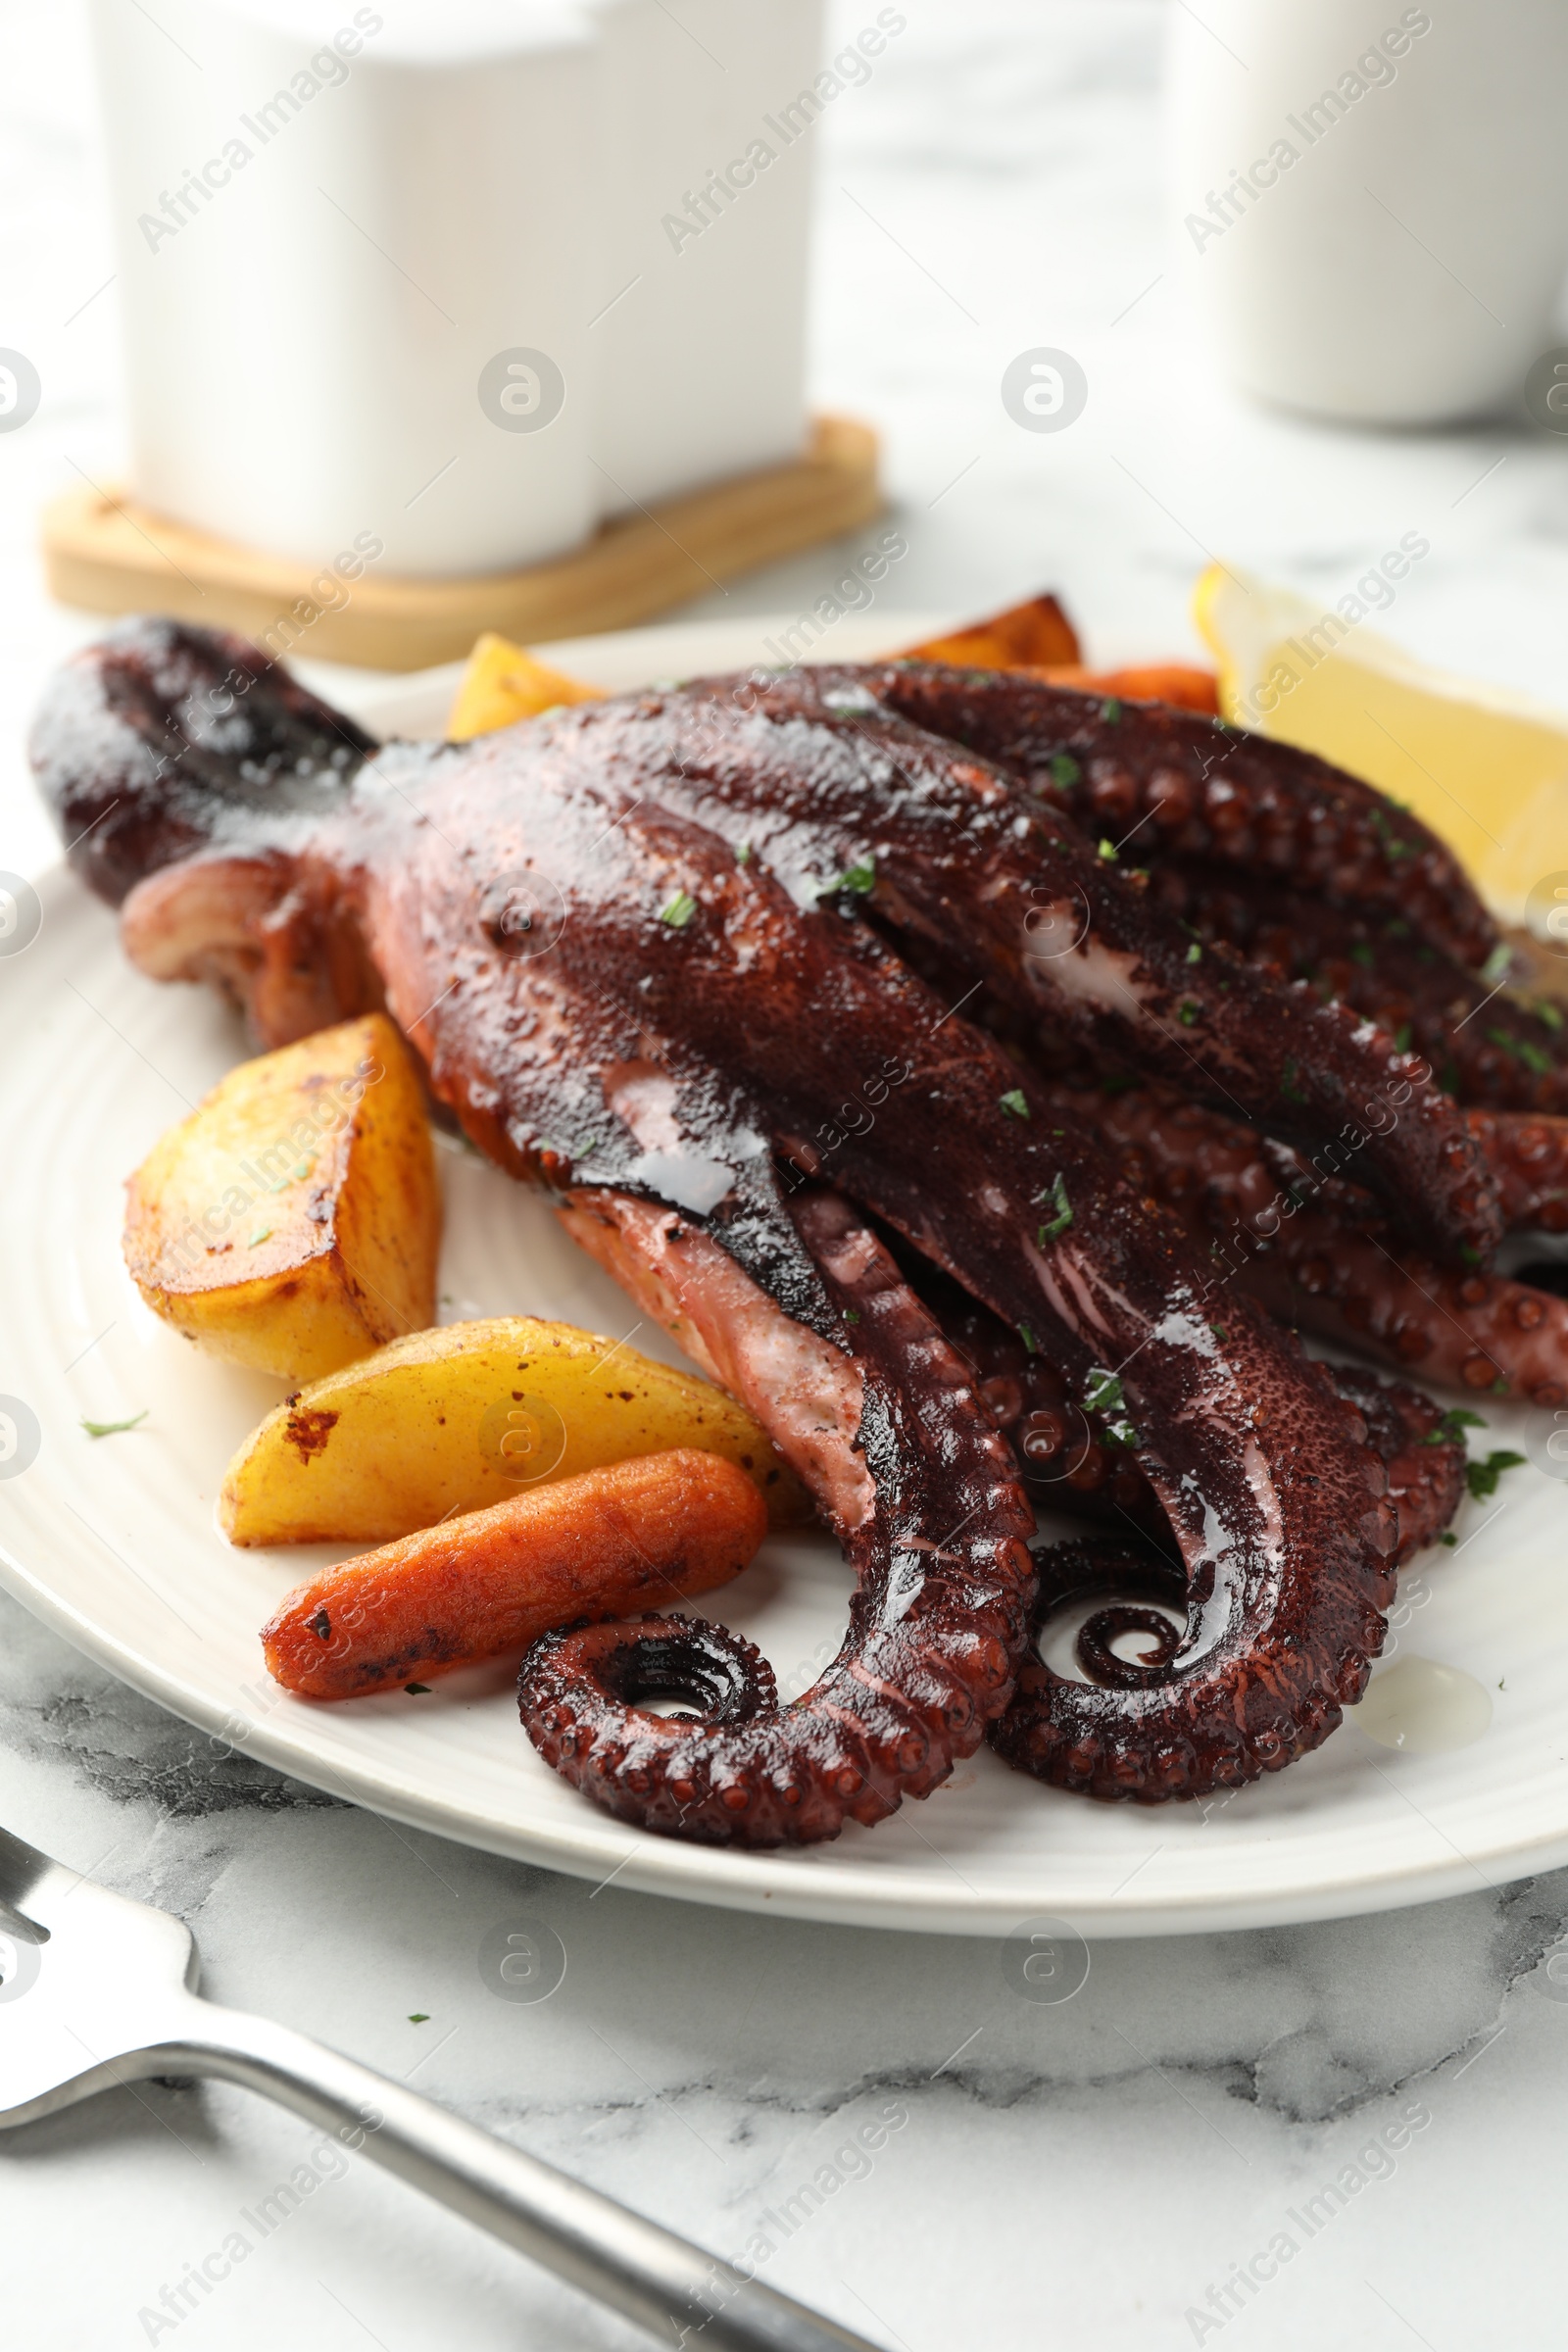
(112, 1539)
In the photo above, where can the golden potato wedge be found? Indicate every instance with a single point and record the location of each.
(503, 682)
(456, 1420)
(1027, 636)
(292, 1221)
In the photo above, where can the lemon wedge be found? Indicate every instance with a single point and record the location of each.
(1484, 768)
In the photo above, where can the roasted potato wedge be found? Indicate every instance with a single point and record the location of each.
(292, 1221)
(1031, 636)
(454, 1420)
(637, 1534)
(503, 682)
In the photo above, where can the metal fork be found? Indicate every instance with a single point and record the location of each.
(101, 1990)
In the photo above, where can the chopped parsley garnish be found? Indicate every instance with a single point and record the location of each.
(1028, 1339)
(1449, 1537)
(112, 1429)
(419, 2017)
(1107, 851)
(1187, 1013)
(1452, 1428)
(1401, 1038)
(1545, 1010)
(1064, 770)
(850, 1315)
(1498, 963)
(861, 877)
(1288, 1086)
(1482, 1477)
(1063, 1209)
(678, 913)
(1103, 1392)
(263, 1232)
(1110, 711)
(1194, 954)
(1013, 1101)
(1362, 955)
(418, 1690)
(743, 855)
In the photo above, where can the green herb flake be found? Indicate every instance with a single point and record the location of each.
(1065, 770)
(1452, 1428)
(1028, 1339)
(678, 913)
(1472, 1258)
(1362, 955)
(112, 1429)
(850, 1315)
(1013, 1101)
(419, 2017)
(1482, 1477)
(1110, 711)
(1218, 1330)
(418, 1690)
(1107, 851)
(1401, 1038)
(1103, 1392)
(1194, 954)
(263, 1232)
(1063, 1209)
(1545, 1010)
(1288, 1086)
(743, 855)
(1449, 1539)
(1498, 964)
(1187, 1013)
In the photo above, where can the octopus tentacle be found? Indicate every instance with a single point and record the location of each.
(936, 1625)
(809, 772)
(1529, 1159)
(160, 739)
(1316, 1252)
(1204, 789)
(1487, 1047)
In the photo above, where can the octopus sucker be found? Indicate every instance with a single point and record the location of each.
(732, 1033)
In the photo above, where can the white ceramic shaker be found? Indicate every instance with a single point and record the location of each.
(358, 251)
(1370, 199)
(707, 162)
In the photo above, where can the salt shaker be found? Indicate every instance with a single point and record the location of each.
(356, 248)
(1370, 199)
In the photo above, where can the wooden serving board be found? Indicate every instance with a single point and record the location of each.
(112, 556)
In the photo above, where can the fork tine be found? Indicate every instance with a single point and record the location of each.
(32, 1884)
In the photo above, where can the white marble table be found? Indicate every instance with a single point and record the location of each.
(1092, 2172)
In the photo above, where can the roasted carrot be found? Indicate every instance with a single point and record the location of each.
(609, 1543)
(1181, 683)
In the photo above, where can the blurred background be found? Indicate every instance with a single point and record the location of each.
(998, 183)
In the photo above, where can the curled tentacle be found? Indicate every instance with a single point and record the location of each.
(936, 1626)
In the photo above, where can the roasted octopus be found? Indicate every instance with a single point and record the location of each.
(888, 1033)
